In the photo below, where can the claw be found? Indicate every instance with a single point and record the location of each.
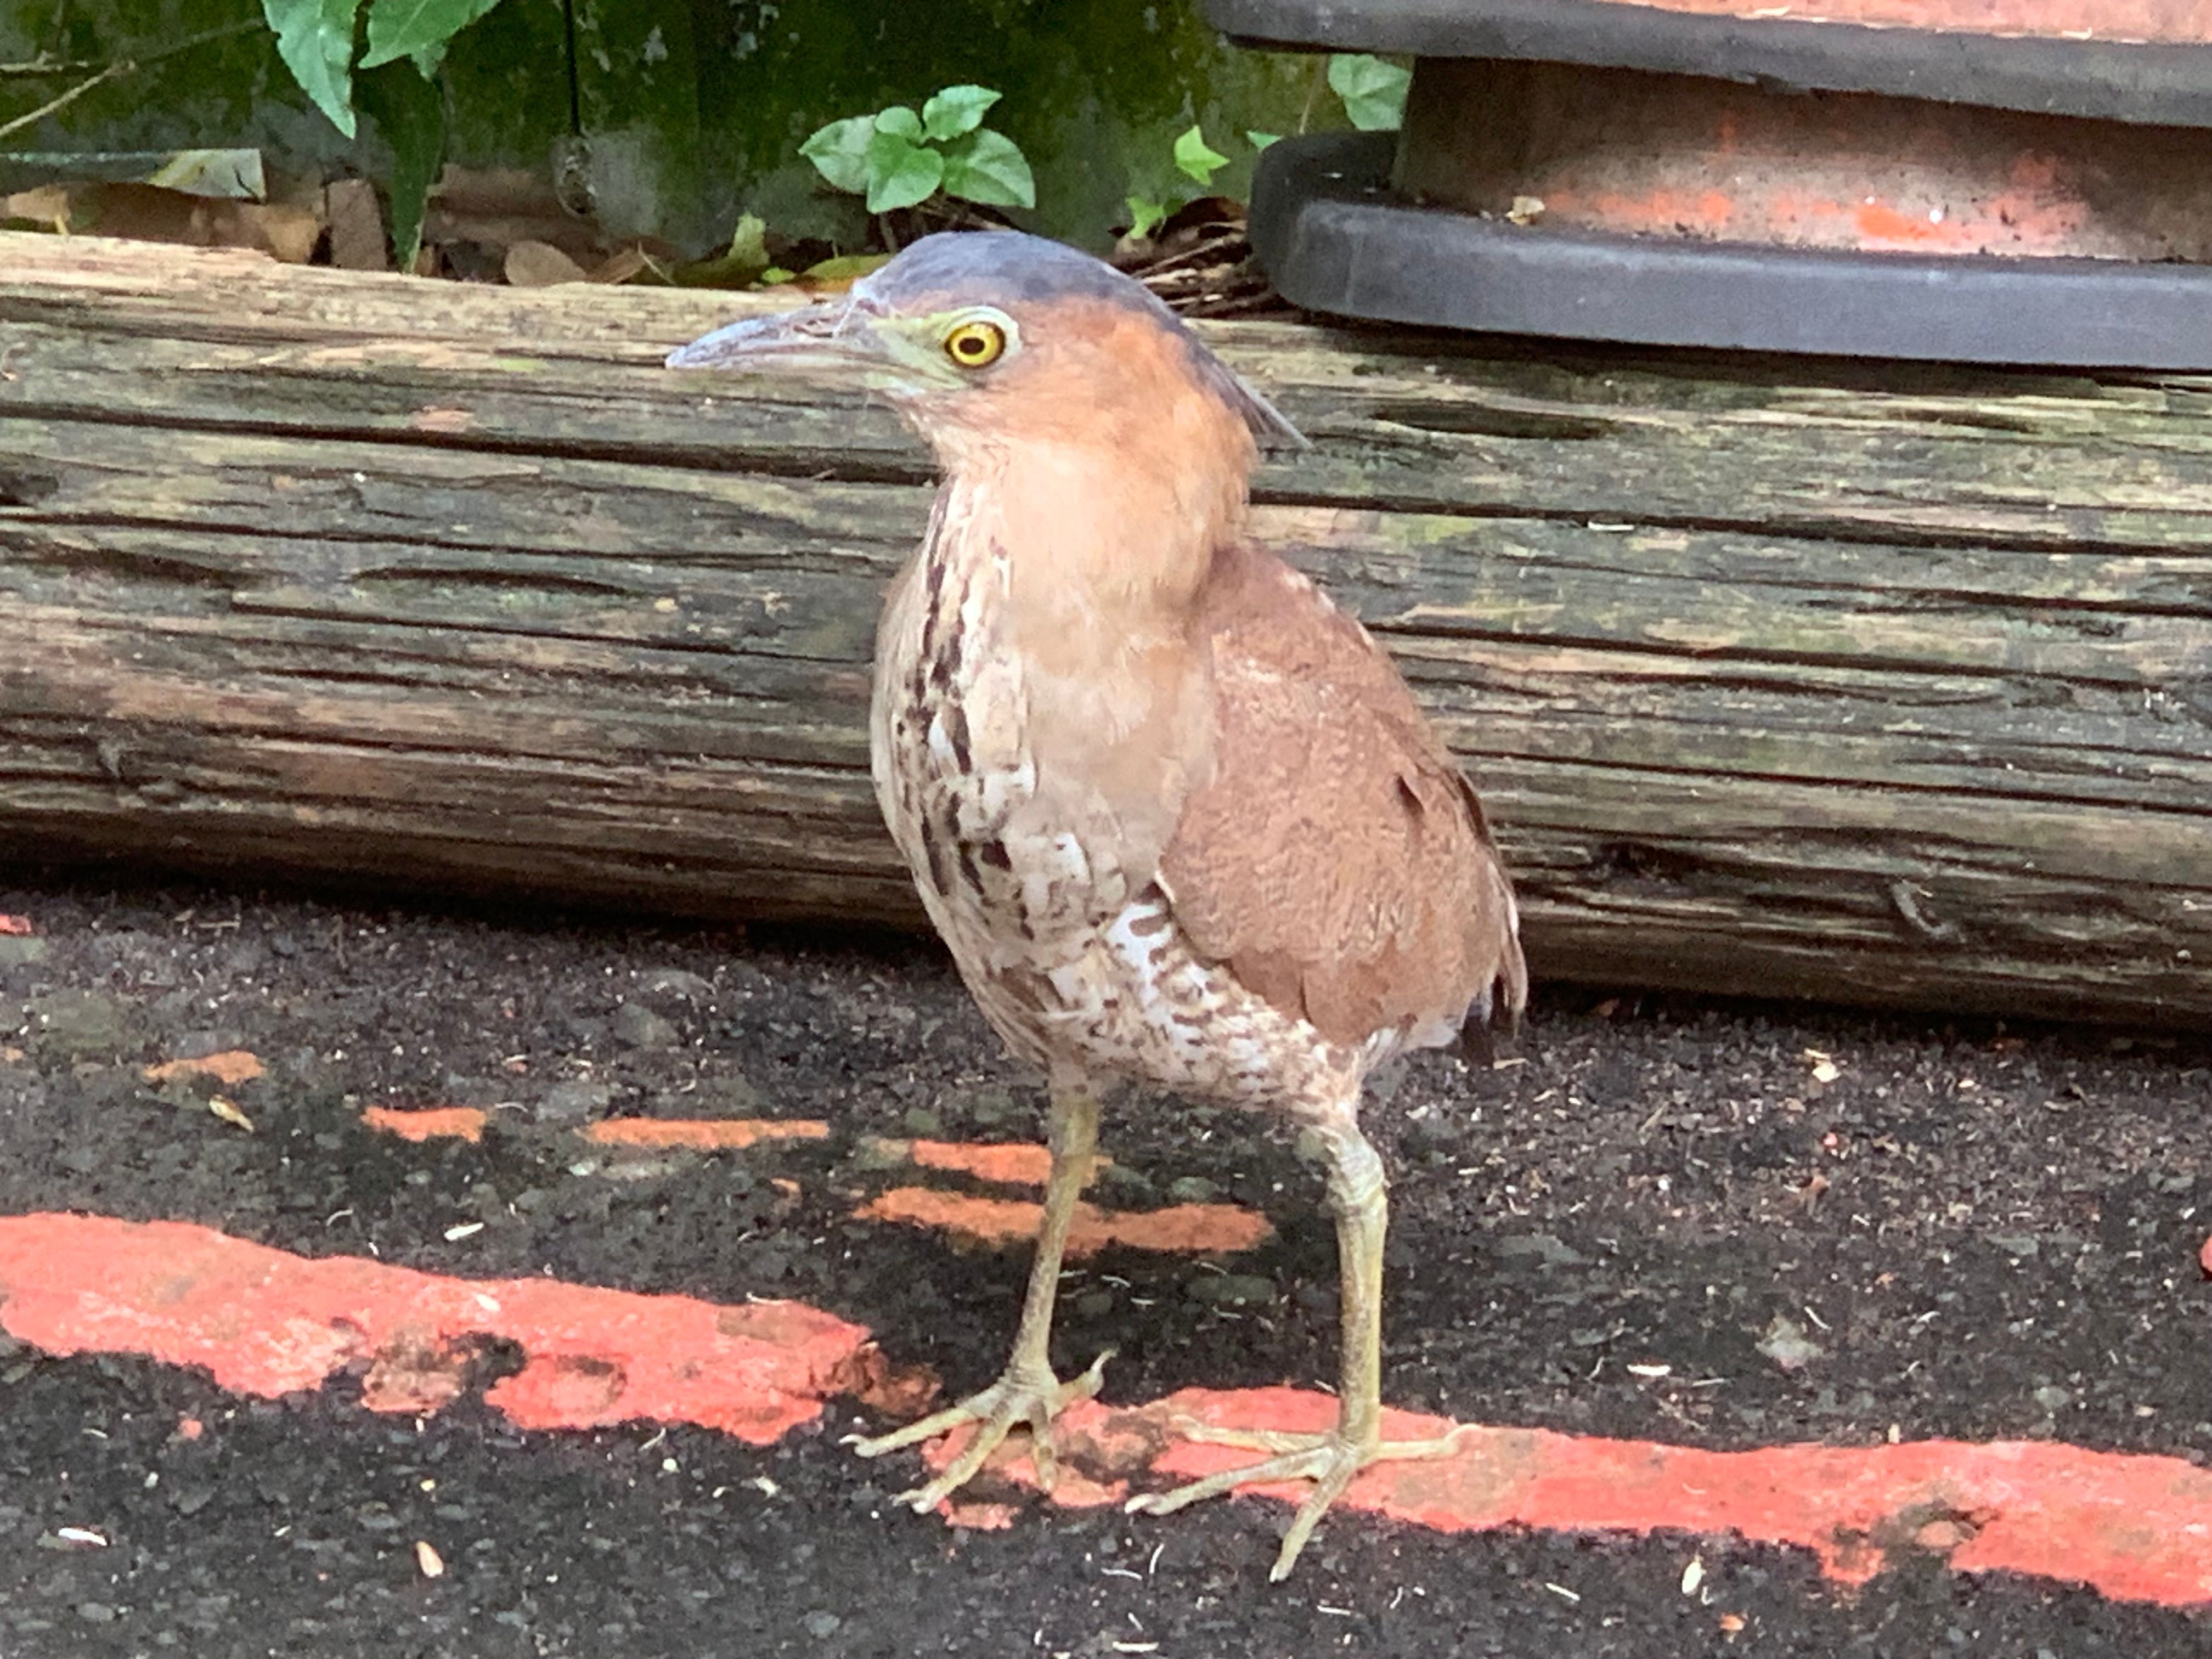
(1329, 1460)
(1020, 1398)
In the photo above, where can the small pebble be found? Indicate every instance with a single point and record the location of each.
(639, 1027)
(1232, 1290)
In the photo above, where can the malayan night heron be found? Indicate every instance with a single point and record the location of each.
(1176, 817)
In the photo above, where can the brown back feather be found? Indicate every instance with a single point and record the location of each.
(1337, 862)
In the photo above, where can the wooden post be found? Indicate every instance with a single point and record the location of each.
(1862, 682)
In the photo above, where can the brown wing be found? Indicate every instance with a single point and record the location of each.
(1337, 862)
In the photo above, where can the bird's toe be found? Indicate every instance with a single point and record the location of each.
(1330, 1460)
(1023, 1397)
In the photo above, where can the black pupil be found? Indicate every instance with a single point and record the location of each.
(973, 345)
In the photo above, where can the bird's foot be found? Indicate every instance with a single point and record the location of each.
(1329, 1460)
(1025, 1396)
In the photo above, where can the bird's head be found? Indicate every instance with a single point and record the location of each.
(990, 338)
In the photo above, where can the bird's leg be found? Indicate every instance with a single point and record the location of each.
(1329, 1460)
(1026, 1392)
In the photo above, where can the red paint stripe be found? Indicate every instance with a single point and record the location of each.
(2136, 1527)
(232, 1066)
(19, 926)
(428, 1122)
(1014, 1164)
(1194, 1229)
(266, 1323)
(704, 1134)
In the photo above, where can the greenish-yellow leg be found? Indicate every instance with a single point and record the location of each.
(1330, 1460)
(1027, 1393)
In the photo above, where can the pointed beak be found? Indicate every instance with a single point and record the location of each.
(833, 338)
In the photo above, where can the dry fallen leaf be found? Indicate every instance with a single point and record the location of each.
(540, 265)
(621, 264)
(432, 1564)
(151, 213)
(496, 209)
(357, 238)
(1825, 1069)
(47, 206)
(1526, 209)
(228, 1112)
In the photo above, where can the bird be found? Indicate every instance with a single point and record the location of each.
(1176, 815)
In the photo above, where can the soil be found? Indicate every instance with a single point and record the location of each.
(1944, 1228)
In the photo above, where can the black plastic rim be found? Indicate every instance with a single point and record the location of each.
(2160, 84)
(1331, 239)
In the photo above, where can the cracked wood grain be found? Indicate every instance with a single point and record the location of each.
(1879, 683)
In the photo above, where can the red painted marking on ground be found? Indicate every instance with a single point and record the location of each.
(232, 1067)
(1008, 1163)
(978, 1516)
(1194, 1229)
(2204, 1258)
(1011, 1162)
(1014, 1163)
(20, 925)
(428, 1122)
(264, 1321)
(2136, 1527)
(705, 1134)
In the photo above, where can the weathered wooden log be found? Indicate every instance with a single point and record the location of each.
(1874, 684)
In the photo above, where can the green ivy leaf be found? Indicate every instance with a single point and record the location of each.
(1262, 140)
(840, 152)
(900, 171)
(843, 269)
(400, 28)
(1374, 92)
(1196, 159)
(1146, 216)
(900, 121)
(989, 168)
(957, 109)
(745, 260)
(315, 40)
(749, 242)
(411, 113)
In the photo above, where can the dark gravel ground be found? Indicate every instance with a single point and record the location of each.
(1985, 1234)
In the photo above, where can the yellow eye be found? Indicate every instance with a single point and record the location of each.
(975, 344)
